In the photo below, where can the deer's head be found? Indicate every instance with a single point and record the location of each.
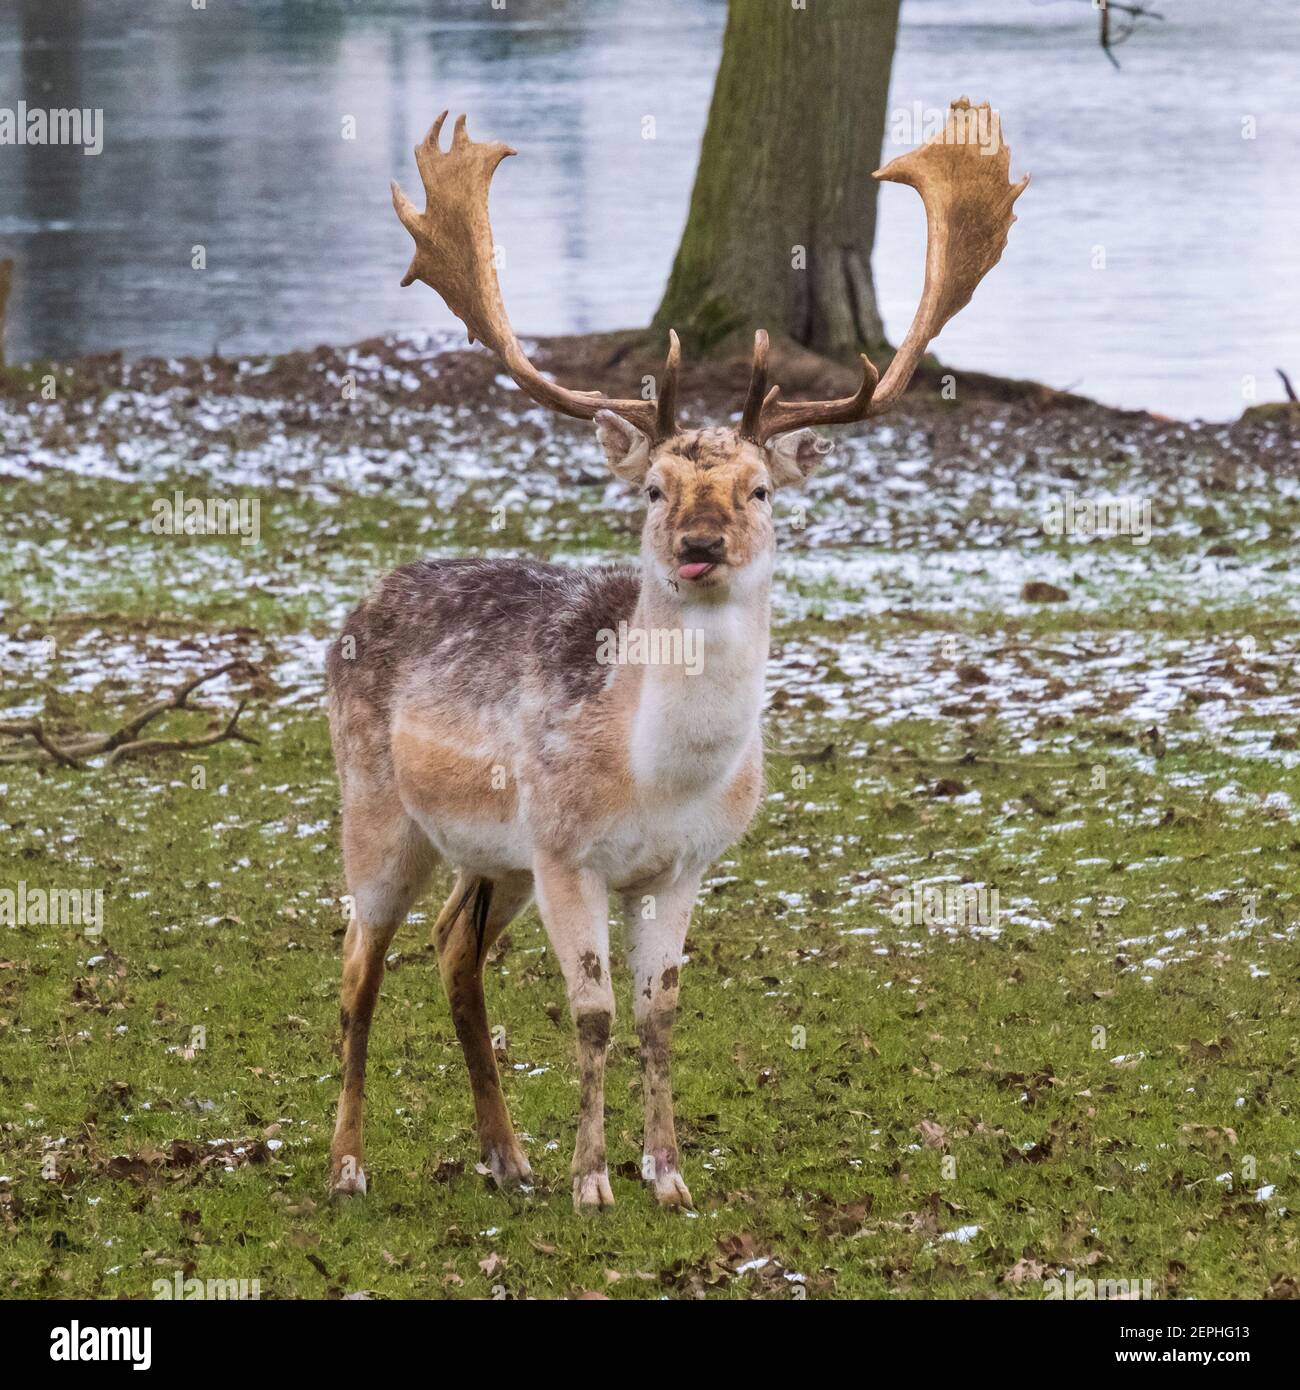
(708, 492)
(708, 497)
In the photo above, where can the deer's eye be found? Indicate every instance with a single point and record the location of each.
(653, 494)
(759, 494)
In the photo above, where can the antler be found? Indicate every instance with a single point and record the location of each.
(454, 255)
(964, 185)
(764, 415)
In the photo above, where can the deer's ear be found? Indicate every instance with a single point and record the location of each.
(627, 450)
(794, 457)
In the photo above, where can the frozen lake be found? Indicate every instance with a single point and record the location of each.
(1156, 262)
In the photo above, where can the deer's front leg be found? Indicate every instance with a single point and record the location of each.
(574, 904)
(657, 924)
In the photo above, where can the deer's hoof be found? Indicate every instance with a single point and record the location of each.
(351, 1184)
(671, 1191)
(591, 1191)
(509, 1167)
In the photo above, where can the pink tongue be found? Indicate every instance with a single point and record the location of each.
(693, 571)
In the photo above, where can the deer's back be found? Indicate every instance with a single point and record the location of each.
(484, 627)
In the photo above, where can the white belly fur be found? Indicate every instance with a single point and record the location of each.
(690, 738)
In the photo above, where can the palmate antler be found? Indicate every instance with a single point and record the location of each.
(964, 185)
(962, 181)
(454, 255)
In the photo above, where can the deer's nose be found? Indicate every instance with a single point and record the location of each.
(702, 547)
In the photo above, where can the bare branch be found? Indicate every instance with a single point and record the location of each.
(1136, 11)
(123, 742)
(144, 747)
(1105, 35)
(34, 729)
(176, 700)
(1112, 37)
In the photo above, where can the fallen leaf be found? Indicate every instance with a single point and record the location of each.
(1024, 1271)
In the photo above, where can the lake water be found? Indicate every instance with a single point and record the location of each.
(1156, 262)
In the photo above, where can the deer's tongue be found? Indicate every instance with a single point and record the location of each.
(693, 571)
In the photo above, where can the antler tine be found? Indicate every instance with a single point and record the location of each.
(454, 255)
(962, 177)
(666, 414)
(754, 399)
(780, 417)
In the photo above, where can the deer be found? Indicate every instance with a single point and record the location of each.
(475, 724)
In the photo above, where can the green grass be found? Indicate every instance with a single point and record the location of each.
(850, 1089)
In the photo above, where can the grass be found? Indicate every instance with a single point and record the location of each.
(868, 1107)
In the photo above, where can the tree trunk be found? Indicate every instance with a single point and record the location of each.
(6, 280)
(783, 213)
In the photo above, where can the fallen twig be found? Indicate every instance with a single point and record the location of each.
(123, 742)
(34, 729)
(144, 746)
(943, 760)
(969, 758)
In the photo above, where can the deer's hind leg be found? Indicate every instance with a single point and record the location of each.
(472, 918)
(387, 861)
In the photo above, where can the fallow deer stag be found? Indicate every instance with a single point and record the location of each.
(474, 720)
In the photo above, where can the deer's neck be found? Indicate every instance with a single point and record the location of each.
(698, 707)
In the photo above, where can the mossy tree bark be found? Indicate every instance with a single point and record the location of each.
(6, 280)
(783, 213)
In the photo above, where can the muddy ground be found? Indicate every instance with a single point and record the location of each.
(1091, 739)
